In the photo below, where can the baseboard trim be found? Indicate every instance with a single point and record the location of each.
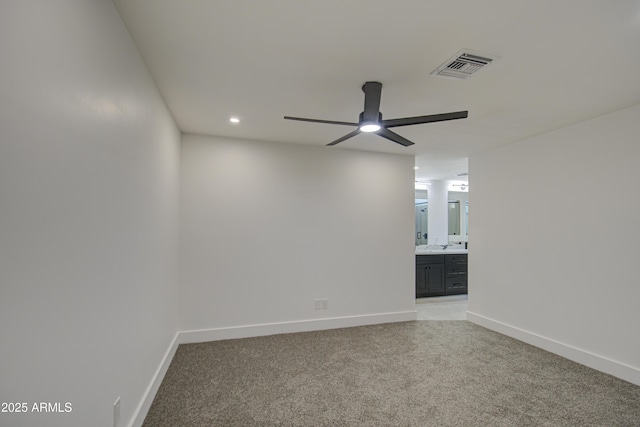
(246, 331)
(150, 393)
(597, 362)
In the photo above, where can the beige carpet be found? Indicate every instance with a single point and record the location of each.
(428, 373)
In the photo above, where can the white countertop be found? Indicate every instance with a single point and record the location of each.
(438, 250)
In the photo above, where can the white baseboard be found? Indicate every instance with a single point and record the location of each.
(233, 332)
(597, 362)
(150, 393)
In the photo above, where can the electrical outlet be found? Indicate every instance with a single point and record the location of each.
(116, 412)
(321, 304)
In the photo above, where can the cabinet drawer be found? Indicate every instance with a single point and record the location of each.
(453, 270)
(429, 259)
(456, 259)
(454, 284)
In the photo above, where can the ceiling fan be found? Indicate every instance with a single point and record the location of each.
(371, 118)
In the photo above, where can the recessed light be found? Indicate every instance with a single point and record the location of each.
(234, 120)
(416, 167)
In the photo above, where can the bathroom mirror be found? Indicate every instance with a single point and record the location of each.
(458, 217)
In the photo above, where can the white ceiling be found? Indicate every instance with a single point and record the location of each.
(560, 62)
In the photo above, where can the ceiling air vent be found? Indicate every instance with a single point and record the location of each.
(463, 64)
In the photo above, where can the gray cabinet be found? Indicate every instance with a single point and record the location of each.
(430, 275)
(455, 274)
(438, 275)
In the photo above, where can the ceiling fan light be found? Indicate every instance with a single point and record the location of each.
(370, 127)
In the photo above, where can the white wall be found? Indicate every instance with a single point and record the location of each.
(268, 228)
(89, 159)
(438, 212)
(540, 272)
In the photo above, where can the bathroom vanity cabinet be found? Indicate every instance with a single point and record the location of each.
(441, 274)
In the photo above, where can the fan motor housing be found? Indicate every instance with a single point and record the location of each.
(361, 118)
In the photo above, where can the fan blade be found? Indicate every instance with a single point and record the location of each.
(407, 121)
(372, 92)
(330, 122)
(344, 138)
(392, 136)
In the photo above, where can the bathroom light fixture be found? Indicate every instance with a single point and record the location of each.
(416, 168)
(234, 120)
(462, 186)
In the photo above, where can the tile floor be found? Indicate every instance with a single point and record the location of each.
(452, 307)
